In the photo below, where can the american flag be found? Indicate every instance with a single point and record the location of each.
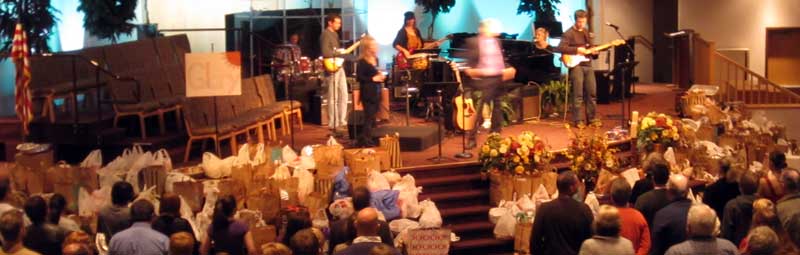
(20, 56)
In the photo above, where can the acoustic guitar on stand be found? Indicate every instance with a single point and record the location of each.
(573, 60)
(402, 61)
(335, 63)
(464, 114)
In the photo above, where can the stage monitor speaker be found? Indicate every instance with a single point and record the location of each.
(355, 123)
(412, 138)
(318, 110)
(603, 88)
(531, 103)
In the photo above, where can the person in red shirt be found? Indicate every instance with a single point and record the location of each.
(634, 226)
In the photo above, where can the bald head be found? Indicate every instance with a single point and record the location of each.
(567, 183)
(678, 185)
(367, 222)
(791, 180)
(701, 221)
(75, 249)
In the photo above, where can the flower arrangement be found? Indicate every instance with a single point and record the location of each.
(657, 128)
(589, 151)
(524, 154)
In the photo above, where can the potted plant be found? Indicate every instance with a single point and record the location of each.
(108, 19)
(589, 153)
(434, 7)
(37, 17)
(553, 97)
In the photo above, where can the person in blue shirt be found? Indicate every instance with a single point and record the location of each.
(140, 238)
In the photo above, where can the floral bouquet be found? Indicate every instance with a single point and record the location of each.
(657, 128)
(524, 154)
(589, 151)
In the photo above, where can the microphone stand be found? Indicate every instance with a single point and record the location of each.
(289, 97)
(464, 152)
(623, 81)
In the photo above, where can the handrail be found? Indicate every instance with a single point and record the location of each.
(738, 83)
(644, 41)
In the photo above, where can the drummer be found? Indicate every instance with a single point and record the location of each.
(294, 42)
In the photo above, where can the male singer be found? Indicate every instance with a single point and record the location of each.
(336, 82)
(576, 40)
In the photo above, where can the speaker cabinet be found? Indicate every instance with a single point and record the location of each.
(531, 103)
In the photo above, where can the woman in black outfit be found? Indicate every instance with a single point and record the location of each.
(370, 80)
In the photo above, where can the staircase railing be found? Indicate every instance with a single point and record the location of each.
(738, 83)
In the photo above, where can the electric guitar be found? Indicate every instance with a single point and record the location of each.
(401, 60)
(464, 114)
(573, 60)
(333, 64)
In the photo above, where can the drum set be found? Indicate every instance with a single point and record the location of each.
(287, 61)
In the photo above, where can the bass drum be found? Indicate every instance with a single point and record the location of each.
(419, 63)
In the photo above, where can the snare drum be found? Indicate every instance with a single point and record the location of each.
(319, 67)
(304, 65)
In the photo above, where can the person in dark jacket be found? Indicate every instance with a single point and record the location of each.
(370, 79)
(669, 224)
(41, 236)
(169, 219)
(561, 225)
(343, 231)
(577, 41)
(367, 226)
(650, 202)
(738, 212)
(723, 190)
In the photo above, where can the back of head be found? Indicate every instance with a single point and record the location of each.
(724, 166)
(223, 210)
(11, 226)
(142, 211)
(75, 249)
(701, 221)
(777, 160)
(181, 243)
(764, 213)
(121, 193)
(274, 248)
(748, 183)
(660, 171)
(170, 204)
(567, 183)
(762, 240)
(361, 198)
(56, 205)
(620, 192)
(296, 221)
(382, 249)
(678, 186)
(78, 237)
(367, 222)
(36, 209)
(607, 222)
(791, 180)
(304, 242)
(5, 186)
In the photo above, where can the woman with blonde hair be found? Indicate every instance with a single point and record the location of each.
(370, 80)
(765, 214)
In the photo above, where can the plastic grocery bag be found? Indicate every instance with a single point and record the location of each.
(431, 217)
(376, 181)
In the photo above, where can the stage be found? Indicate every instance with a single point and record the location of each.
(649, 97)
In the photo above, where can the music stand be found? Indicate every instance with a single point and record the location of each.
(441, 89)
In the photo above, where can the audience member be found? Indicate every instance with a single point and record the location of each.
(80, 239)
(646, 184)
(606, 239)
(42, 236)
(367, 227)
(228, 235)
(561, 225)
(181, 243)
(669, 223)
(382, 249)
(634, 226)
(321, 239)
(343, 231)
(769, 185)
(57, 214)
(13, 231)
(5, 206)
(765, 214)
(305, 242)
(739, 212)
(169, 219)
(297, 218)
(723, 190)
(762, 241)
(650, 202)
(76, 249)
(788, 207)
(275, 248)
(139, 238)
(701, 222)
(116, 217)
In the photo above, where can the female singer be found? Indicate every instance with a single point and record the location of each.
(370, 79)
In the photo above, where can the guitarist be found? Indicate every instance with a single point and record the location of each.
(576, 40)
(408, 38)
(336, 82)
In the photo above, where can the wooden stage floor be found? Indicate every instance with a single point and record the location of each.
(649, 97)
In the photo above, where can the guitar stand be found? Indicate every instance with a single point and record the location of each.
(464, 152)
(439, 158)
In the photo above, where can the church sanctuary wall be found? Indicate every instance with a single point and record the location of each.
(634, 17)
(738, 23)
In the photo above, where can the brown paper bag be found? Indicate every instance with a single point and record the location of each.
(243, 174)
(316, 201)
(523, 185)
(88, 178)
(18, 177)
(549, 182)
(60, 173)
(191, 192)
(70, 193)
(384, 161)
(358, 181)
(522, 237)
(263, 235)
(501, 187)
(329, 159)
(153, 176)
(234, 188)
(290, 186)
(324, 186)
(363, 164)
(268, 204)
(604, 179)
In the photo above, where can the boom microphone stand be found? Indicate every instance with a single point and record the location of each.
(464, 152)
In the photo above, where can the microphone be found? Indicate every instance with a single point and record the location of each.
(612, 25)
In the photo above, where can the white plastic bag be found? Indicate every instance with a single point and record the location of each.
(631, 175)
(289, 156)
(281, 173)
(162, 158)
(525, 204)
(392, 177)
(243, 157)
(332, 141)
(93, 160)
(505, 226)
(173, 177)
(215, 167)
(502, 208)
(409, 197)
(400, 225)
(540, 196)
(431, 217)
(85, 206)
(320, 220)
(305, 183)
(593, 203)
(149, 194)
(376, 181)
(132, 175)
(341, 208)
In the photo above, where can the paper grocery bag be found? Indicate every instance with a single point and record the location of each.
(235, 188)
(523, 185)
(329, 159)
(263, 235)
(243, 174)
(191, 192)
(522, 237)
(268, 204)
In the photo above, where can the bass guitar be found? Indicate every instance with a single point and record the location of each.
(402, 61)
(464, 114)
(573, 60)
(333, 64)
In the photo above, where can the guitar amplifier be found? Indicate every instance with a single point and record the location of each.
(531, 102)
